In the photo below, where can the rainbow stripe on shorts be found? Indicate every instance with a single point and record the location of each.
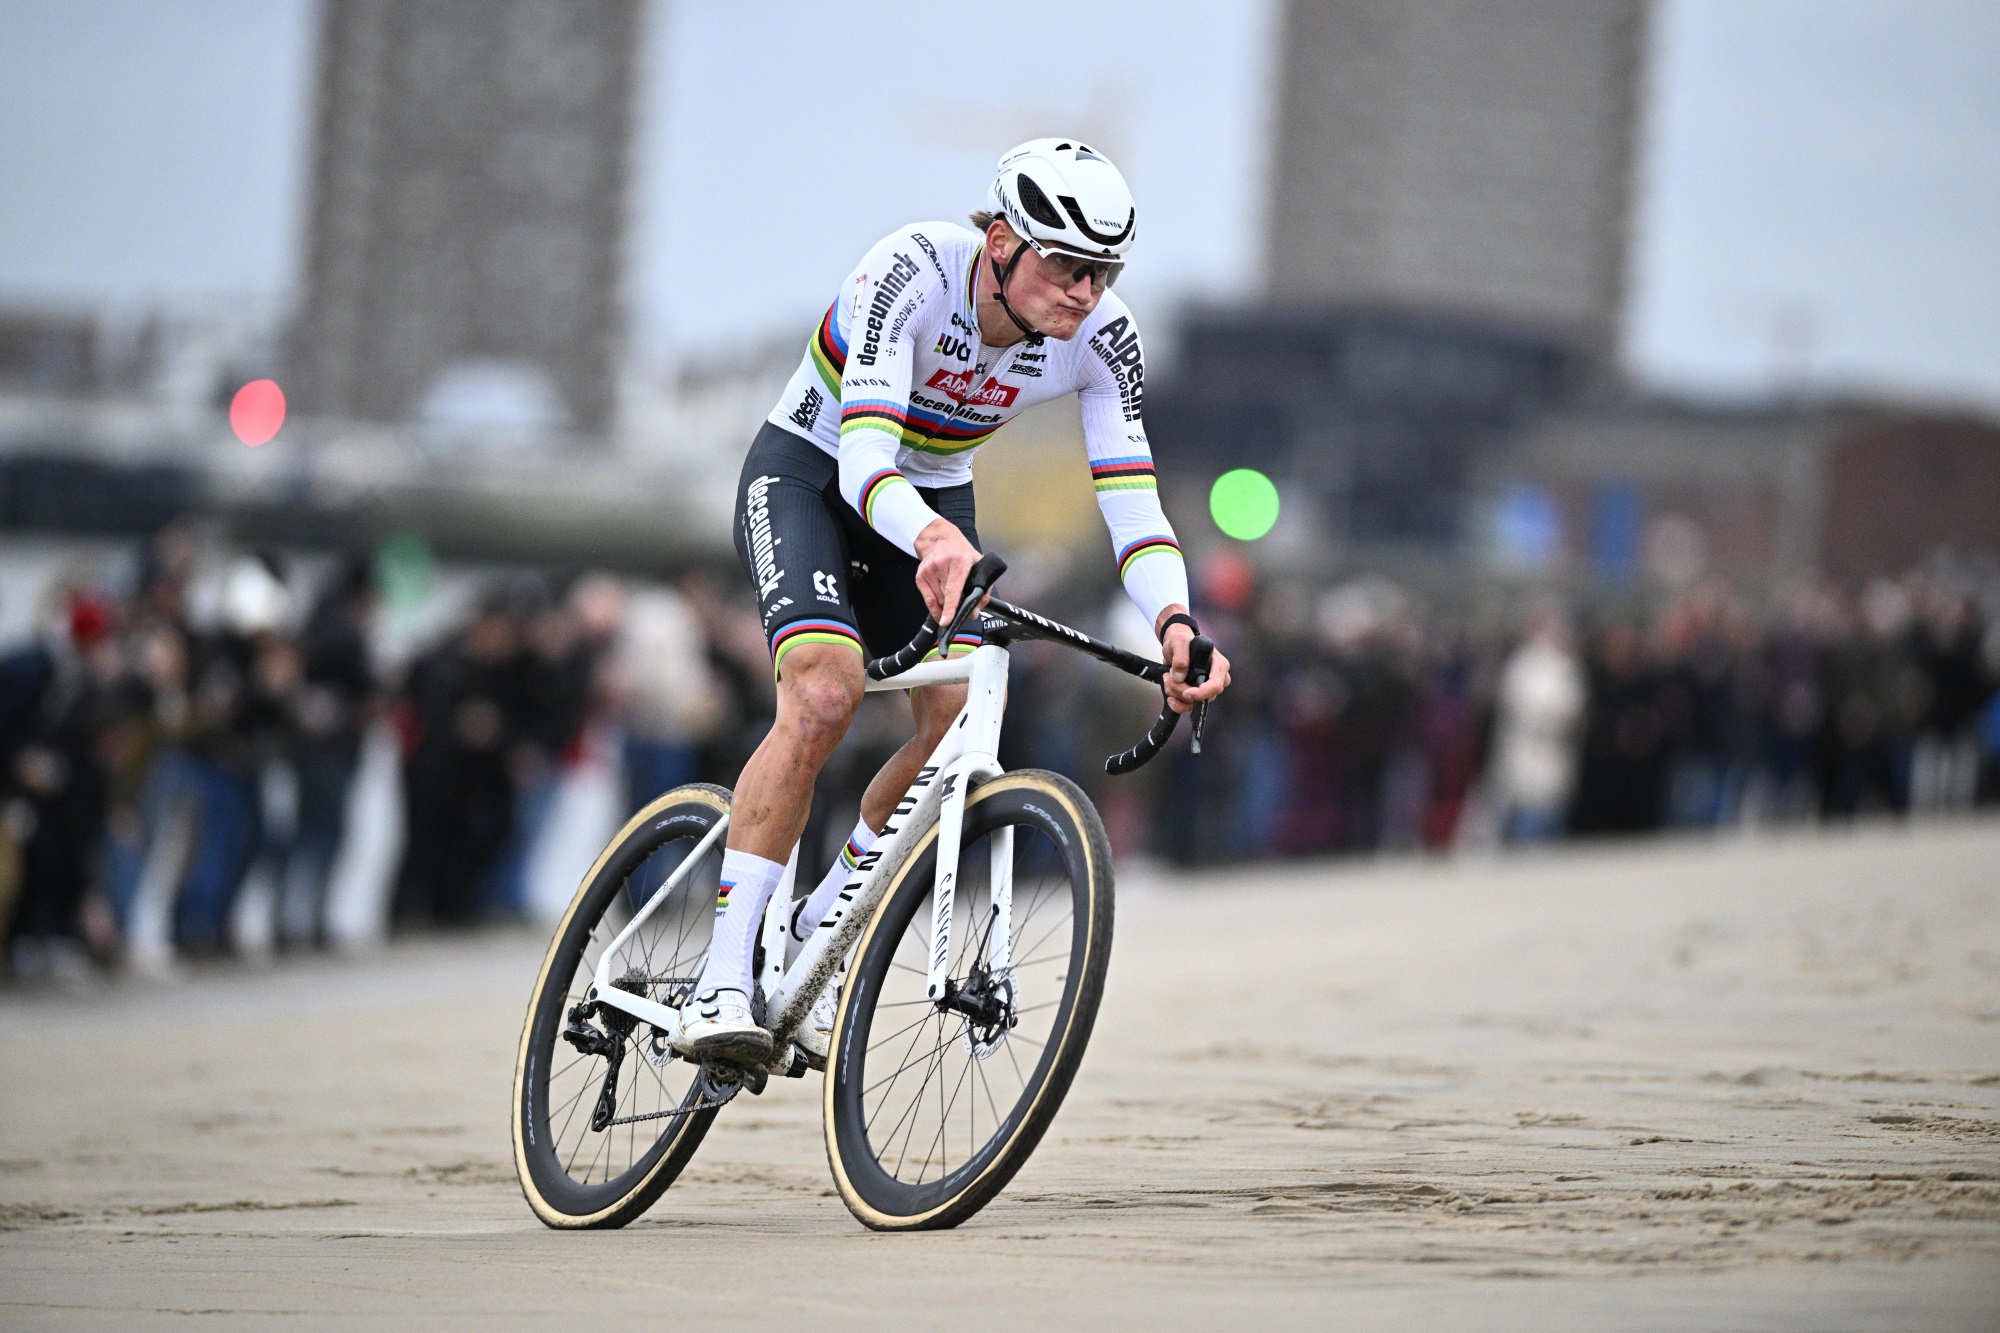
(797, 632)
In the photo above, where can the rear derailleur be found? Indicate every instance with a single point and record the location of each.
(608, 1042)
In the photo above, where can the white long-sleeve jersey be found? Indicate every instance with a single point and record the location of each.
(897, 386)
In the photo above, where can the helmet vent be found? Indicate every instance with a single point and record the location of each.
(1037, 204)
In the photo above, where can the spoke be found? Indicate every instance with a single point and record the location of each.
(987, 1086)
(1052, 955)
(572, 1112)
(1009, 1044)
(566, 1068)
(570, 1165)
(914, 1039)
(1047, 934)
(890, 1077)
(910, 1115)
(875, 1045)
(944, 1114)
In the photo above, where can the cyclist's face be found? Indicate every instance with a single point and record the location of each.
(1056, 293)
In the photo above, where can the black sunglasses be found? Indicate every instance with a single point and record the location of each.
(1067, 270)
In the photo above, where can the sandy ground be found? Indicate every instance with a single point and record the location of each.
(1744, 1085)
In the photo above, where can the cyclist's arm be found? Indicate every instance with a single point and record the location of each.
(882, 310)
(1112, 371)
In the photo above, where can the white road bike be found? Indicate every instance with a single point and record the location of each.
(973, 941)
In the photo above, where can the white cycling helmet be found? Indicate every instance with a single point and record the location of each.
(1063, 195)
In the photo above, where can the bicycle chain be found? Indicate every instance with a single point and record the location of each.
(684, 1108)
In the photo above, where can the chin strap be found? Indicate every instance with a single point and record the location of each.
(1000, 276)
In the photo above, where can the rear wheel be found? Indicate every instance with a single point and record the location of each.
(933, 1105)
(605, 1115)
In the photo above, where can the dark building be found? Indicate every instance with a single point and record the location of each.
(1380, 417)
(1468, 156)
(47, 351)
(1447, 238)
(1900, 487)
(468, 201)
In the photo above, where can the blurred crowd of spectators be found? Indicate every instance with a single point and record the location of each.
(1363, 720)
(207, 752)
(185, 745)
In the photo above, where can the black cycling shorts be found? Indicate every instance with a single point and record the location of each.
(822, 574)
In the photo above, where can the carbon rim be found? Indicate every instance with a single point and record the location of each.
(579, 1170)
(925, 1100)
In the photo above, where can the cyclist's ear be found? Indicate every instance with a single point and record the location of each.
(1001, 240)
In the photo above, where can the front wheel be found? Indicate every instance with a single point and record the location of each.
(933, 1105)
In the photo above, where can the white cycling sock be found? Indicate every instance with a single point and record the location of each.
(745, 890)
(808, 914)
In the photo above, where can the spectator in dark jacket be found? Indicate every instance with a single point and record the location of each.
(330, 714)
(465, 700)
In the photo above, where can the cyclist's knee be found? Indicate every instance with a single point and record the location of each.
(818, 692)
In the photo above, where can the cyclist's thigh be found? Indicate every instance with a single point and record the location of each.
(887, 605)
(792, 546)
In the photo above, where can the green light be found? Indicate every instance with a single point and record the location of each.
(1244, 504)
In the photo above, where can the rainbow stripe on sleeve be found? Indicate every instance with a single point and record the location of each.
(1144, 547)
(811, 631)
(829, 350)
(872, 414)
(1124, 474)
(871, 490)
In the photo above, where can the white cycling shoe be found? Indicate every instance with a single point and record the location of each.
(815, 1036)
(716, 1025)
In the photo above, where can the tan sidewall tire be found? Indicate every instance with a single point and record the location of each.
(1011, 1156)
(642, 1195)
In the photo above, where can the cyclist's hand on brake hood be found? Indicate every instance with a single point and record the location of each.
(1181, 697)
(944, 557)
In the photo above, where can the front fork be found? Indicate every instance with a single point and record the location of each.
(950, 843)
(979, 724)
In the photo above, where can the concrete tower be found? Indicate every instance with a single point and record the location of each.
(468, 203)
(1458, 157)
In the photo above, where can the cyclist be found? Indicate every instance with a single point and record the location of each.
(855, 514)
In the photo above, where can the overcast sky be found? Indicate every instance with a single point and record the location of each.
(1820, 185)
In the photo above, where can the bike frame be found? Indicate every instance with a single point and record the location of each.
(968, 753)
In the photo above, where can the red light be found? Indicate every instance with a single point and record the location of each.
(256, 412)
